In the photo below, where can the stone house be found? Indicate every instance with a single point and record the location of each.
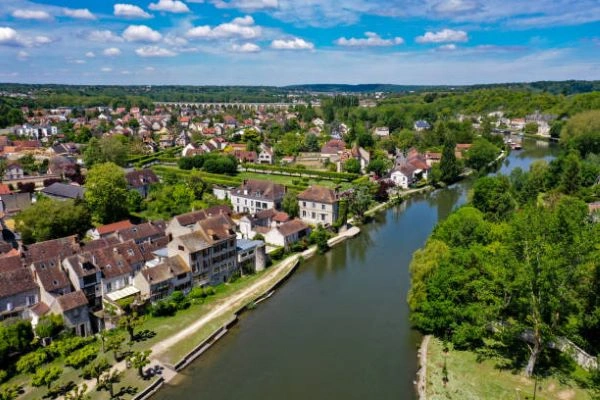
(287, 234)
(319, 205)
(160, 281)
(255, 195)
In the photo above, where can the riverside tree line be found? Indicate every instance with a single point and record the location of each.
(519, 266)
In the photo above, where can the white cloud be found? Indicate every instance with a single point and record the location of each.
(9, 36)
(371, 39)
(79, 13)
(173, 40)
(154, 51)
(22, 55)
(90, 54)
(247, 5)
(245, 48)
(104, 36)
(141, 33)
(130, 11)
(447, 47)
(455, 6)
(292, 44)
(112, 51)
(242, 27)
(149, 69)
(79, 61)
(173, 6)
(443, 36)
(39, 15)
(106, 69)
(40, 40)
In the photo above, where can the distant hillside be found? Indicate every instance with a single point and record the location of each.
(558, 87)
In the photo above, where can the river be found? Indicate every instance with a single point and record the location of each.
(339, 328)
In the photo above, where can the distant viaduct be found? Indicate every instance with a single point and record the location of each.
(241, 106)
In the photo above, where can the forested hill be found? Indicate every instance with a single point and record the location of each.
(558, 87)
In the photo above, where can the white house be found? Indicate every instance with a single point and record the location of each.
(382, 131)
(287, 234)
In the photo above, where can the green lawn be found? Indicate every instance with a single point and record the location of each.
(469, 379)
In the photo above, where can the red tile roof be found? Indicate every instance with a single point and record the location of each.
(115, 226)
(318, 194)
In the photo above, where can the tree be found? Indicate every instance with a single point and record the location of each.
(531, 128)
(311, 143)
(15, 337)
(197, 184)
(51, 219)
(108, 380)
(378, 166)
(129, 322)
(582, 132)
(134, 201)
(319, 236)
(290, 205)
(481, 154)
(571, 175)
(448, 164)
(79, 393)
(46, 376)
(107, 149)
(9, 392)
(352, 165)
(492, 196)
(114, 343)
(138, 360)
(106, 193)
(95, 369)
(359, 201)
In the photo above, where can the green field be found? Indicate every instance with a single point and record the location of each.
(469, 379)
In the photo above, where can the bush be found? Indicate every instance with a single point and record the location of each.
(49, 326)
(197, 293)
(179, 300)
(29, 362)
(82, 357)
(66, 346)
(3, 376)
(163, 309)
(277, 254)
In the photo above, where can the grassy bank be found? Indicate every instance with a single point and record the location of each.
(467, 378)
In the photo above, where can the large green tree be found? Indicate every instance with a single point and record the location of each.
(481, 154)
(492, 195)
(290, 204)
(106, 193)
(449, 165)
(51, 219)
(107, 149)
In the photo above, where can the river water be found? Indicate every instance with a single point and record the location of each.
(339, 328)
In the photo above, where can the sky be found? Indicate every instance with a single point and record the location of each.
(282, 42)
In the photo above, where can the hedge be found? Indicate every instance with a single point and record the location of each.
(343, 176)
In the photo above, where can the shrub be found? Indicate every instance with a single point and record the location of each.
(66, 346)
(163, 309)
(81, 357)
(179, 300)
(29, 362)
(197, 293)
(277, 254)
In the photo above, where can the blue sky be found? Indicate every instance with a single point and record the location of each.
(279, 42)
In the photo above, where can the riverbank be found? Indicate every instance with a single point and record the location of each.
(463, 375)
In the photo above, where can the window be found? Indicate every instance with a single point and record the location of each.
(304, 213)
(322, 217)
(108, 287)
(322, 206)
(303, 204)
(313, 215)
(314, 205)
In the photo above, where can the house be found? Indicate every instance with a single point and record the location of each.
(160, 281)
(318, 205)
(107, 230)
(266, 154)
(74, 309)
(184, 223)
(251, 255)
(517, 124)
(421, 125)
(382, 131)
(117, 272)
(244, 156)
(13, 172)
(332, 148)
(255, 195)
(55, 248)
(432, 158)
(13, 203)
(250, 225)
(403, 175)
(63, 191)
(209, 251)
(594, 211)
(287, 234)
(146, 232)
(18, 292)
(85, 276)
(141, 180)
(51, 279)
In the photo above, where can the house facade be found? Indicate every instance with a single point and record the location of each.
(319, 205)
(255, 195)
